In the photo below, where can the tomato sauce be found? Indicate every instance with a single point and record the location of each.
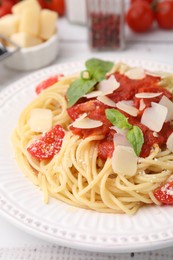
(127, 90)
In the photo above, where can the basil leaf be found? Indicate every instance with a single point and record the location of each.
(135, 137)
(78, 88)
(98, 68)
(117, 119)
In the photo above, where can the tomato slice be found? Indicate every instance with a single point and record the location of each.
(47, 145)
(47, 83)
(164, 194)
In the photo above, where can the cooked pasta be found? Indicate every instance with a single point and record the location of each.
(77, 172)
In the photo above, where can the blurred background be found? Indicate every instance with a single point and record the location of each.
(74, 30)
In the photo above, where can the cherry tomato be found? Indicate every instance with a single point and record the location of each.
(47, 145)
(56, 5)
(47, 83)
(5, 7)
(164, 194)
(164, 14)
(42, 3)
(140, 17)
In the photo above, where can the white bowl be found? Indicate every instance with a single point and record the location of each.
(36, 57)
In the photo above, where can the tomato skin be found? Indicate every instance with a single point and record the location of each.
(164, 14)
(47, 145)
(95, 110)
(5, 8)
(140, 17)
(47, 83)
(147, 1)
(42, 3)
(56, 5)
(164, 194)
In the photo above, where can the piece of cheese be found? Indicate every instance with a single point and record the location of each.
(135, 73)
(154, 116)
(127, 106)
(107, 101)
(84, 122)
(30, 21)
(40, 120)
(9, 25)
(25, 40)
(124, 161)
(108, 86)
(169, 143)
(47, 23)
(166, 102)
(25, 5)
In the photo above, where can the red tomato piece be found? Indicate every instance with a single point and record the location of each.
(5, 7)
(47, 145)
(47, 83)
(164, 194)
(96, 111)
(42, 3)
(164, 14)
(105, 149)
(140, 17)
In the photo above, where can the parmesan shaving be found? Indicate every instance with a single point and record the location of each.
(166, 102)
(169, 143)
(107, 101)
(124, 161)
(127, 107)
(120, 139)
(147, 95)
(142, 105)
(108, 86)
(119, 130)
(40, 120)
(93, 94)
(135, 73)
(154, 117)
(86, 123)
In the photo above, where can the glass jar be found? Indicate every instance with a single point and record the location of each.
(105, 20)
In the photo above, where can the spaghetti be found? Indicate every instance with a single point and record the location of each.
(81, 170)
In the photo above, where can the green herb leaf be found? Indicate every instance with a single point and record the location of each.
(78, 88)
(98, 68)
(135, 137)
(117, 119)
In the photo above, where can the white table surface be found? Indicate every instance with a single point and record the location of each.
(155, 45)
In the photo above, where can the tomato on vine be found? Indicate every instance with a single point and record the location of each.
(54, 5)
(5, 7)
(164, 14)
(140, 16)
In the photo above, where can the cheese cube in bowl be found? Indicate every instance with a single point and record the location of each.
(34, 30)
(32, 58)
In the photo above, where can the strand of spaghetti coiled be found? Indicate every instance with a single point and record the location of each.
(76, 175)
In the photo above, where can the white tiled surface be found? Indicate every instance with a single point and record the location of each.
(156, 45)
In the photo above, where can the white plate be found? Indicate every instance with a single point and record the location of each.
(22, 203)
